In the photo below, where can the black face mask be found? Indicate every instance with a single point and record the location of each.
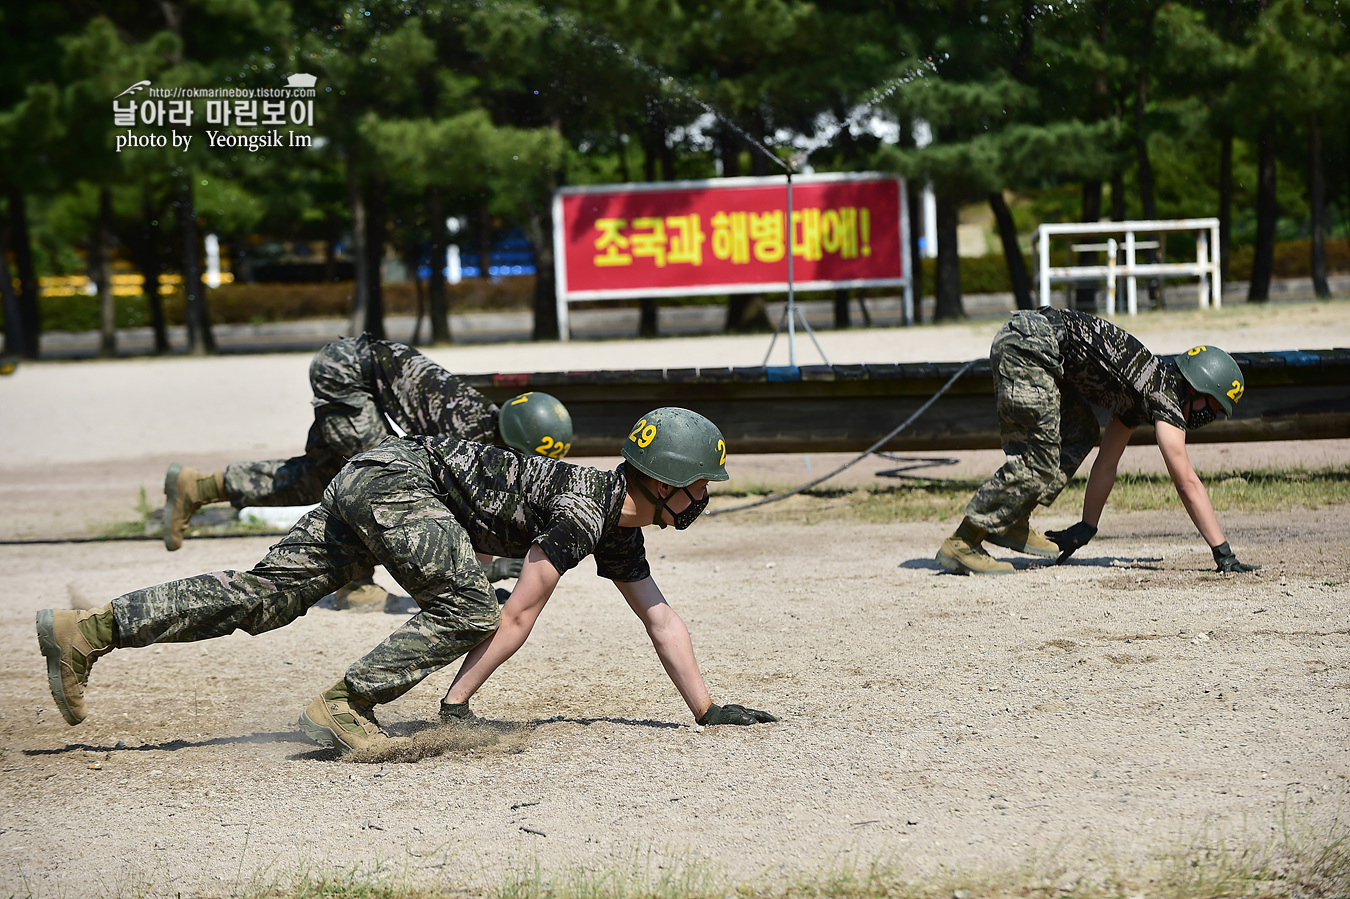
(690, 515)
(681, 520)
(1199, 416)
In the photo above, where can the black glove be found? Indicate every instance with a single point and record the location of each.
(734, 714)
(502, 569)
(1071, 538)
(1227, 562)
(458, 713)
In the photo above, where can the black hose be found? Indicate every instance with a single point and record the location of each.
(863, 455)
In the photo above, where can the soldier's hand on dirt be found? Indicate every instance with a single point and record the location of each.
(1227, 562)
(458, 713)
(734, 714)
(1071, 539)
(502, 569)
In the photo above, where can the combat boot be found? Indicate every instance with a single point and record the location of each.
(1023, 538)
(361, 595)
(963, 554)
(185, 491)
(333, 720)
(71, 640)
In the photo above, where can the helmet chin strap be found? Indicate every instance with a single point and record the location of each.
(658, 502)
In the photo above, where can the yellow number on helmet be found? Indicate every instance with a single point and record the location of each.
(722, 448)
(1196, 350)
(523, 398)
(544, 448)
(1236, 393)
(633, 436)
(648, 434)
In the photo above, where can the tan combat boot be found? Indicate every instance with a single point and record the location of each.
(334, 721)
(185, 491)
(963, 554)
(361, 595)
(71, 640)
(1023, 538)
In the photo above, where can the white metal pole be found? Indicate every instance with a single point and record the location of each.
(1111, 248)
(1131, 287)
(1202, 262)
(1045, 266)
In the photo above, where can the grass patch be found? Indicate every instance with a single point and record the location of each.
(1298, 863)
(1261, 490)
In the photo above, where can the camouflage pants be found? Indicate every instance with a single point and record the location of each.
(1046, 426)
(373, 512)
(346, 422)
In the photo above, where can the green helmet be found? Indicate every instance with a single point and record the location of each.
(677, 447)
(1213, 372)
(536, 423)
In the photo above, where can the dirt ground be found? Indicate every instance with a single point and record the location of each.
(1073, 721)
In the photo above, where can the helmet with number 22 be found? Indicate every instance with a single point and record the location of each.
(1214, 373)
(677, 447)
(536, 423)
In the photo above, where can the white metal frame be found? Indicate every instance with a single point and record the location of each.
(565, 297)
(1205, 267)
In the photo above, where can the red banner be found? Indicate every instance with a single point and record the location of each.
(729, 236)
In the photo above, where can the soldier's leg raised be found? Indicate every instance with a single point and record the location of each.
(319, 553)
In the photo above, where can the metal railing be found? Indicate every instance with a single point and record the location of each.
(1205, 267)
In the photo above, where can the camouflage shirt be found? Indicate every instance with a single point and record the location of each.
(507, 500)
(1111, 368)
(409, 389)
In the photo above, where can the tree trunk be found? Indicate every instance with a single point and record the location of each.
(21, 242)
(375, 233)
(485, 240)
(101, 266)
(948, 289)
(842, 316)
(1263, 261)
(14, 343)
(546, 324)
(149, 261)
(1012, 253)
(438, 301)
(200, 339)
(1225, 200)
(1146, 189)
(1118, 213)
(1317, 199)
(356, 198)
(914, 200)
(1085, 297)
(748, 312)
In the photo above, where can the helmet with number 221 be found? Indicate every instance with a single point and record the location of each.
(1213, 372)
(536, 423)
(677, 447)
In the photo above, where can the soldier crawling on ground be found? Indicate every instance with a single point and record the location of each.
(360, 385)
(1048, 365)
(423, 508)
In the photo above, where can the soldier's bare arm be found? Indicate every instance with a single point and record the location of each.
(1172, 445)
(538, 577)
(1103, 477)
(670, 637)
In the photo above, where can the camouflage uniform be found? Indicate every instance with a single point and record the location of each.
(360, 384)
(1048, 365)
(421, 508)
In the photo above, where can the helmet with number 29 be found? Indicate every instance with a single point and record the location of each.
(1213, 372)
(536, 423)
(677, 447)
